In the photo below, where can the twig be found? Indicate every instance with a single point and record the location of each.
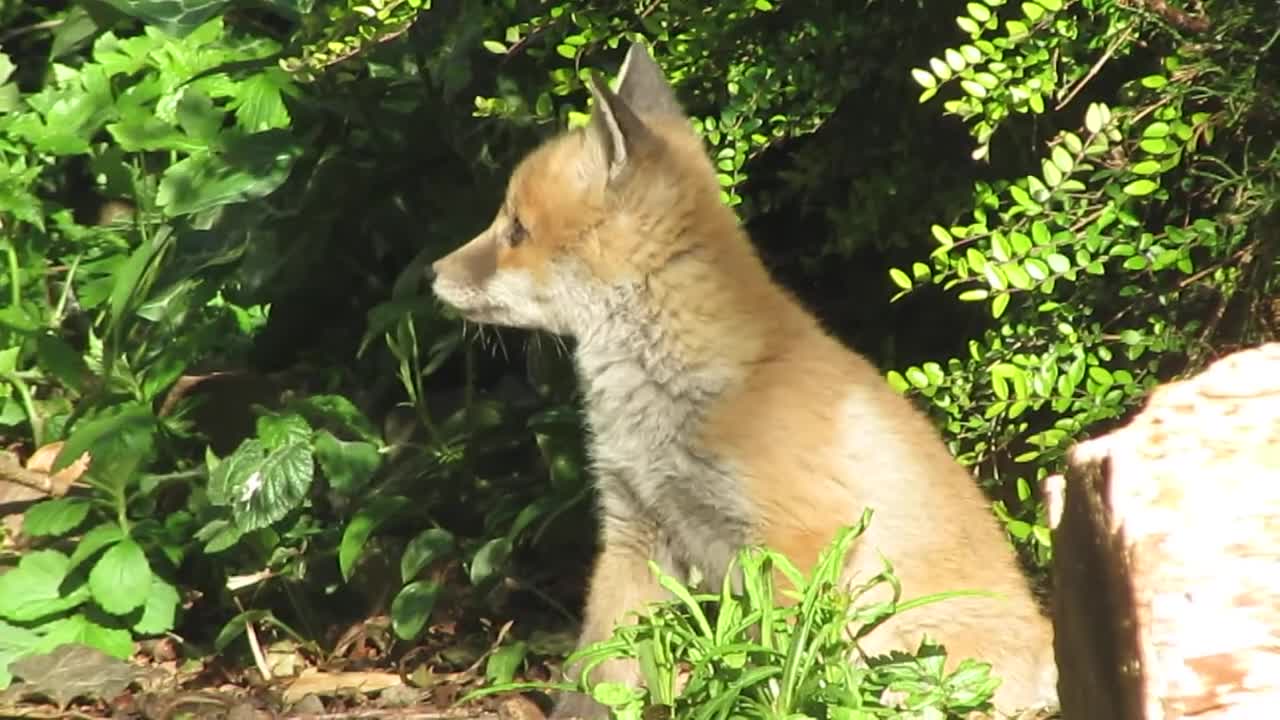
(1097, 67)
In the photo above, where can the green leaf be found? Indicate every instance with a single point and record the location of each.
(900, 278)
(941, 235)
(924, 78)
(349, 466)
(259, 103)
(60, 360)
(1146, 167)
(33, 590)
(504, 662)
(246, 167)
(261, 485)
(425, 548)
(489, 560)
(974, 295)
(121, 578)
(177, 17)
(1139, 188)
(362, 524)
(412, 607)
(160, 610)
(1062, 159)
(495, 47)
(118, 441)
(55, 517)
(917, 377)
(94, 541)
(999, 304)
(280, 430)
(1093, 118)
(897, 381)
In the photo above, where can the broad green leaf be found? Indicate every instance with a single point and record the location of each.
(160, 610)
(425, 548)
(490, 559)
(33, 590)
(80, 629)
(94, 541)
(279, 430)
(55, 517)
(348, 466)
(261, 485)
(259, 103)
(367, 519)
(900, 278)
(412, 607)
(505, 662)
(177, 17)
(118, 440)
(121, 578)
(246, 167)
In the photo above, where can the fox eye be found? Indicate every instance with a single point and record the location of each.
(517, 233)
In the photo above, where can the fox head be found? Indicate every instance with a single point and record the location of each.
(591, 211)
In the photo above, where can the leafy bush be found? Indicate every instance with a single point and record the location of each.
(746, 655)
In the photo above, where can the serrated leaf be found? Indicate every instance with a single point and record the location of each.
(55, 517)
(245, 167)
(262, 486)
(33, 590)
(121, 578)
(160, 610)
(348, 466)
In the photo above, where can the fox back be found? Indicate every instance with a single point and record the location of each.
(720, 413)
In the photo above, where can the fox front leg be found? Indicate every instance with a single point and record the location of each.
(621, 584)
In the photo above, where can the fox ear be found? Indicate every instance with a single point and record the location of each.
(617, 129)
(614, 132)
(644, 86)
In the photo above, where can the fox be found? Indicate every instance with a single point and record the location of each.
(719, 412)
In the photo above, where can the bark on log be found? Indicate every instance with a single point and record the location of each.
(1167, 554)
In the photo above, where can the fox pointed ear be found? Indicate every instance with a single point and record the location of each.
(644, 86)
(614, 132)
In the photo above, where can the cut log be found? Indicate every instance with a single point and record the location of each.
(1166, 539)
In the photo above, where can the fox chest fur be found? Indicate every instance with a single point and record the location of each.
(645, 409)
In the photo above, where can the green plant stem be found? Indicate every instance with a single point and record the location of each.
(29, 405)
(15, 273)
(60, 308)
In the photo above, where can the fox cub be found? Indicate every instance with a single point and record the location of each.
(720, 412)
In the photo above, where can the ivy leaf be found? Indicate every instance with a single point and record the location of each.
(121, 578)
